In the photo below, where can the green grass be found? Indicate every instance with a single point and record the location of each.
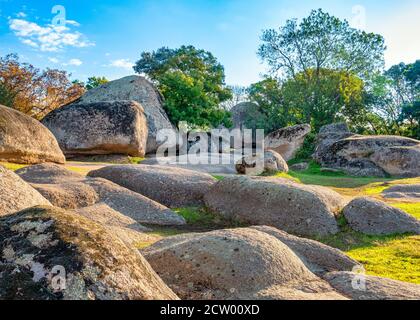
(219, 178)
(12, 166)
(196, 216)
(410, 208)
(314, 175)
(395, 257)
(135, 160)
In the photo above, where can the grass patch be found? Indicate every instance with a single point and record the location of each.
(316, 176)
(196, 216)
(410, 208)
(13, 166)
(82, 171)
(218, 178)
(135, 160)
(395, 257)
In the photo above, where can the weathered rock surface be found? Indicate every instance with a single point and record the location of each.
(25, 140)
(317, 257)
(302, 166)
(376, 288)
(63, 190)
(68, 195)
(411, 191)
(234, 264)
(138, 89)
(295, 208)
(245, 115)
(37, 242)
(287, 141)
(115, 127)
(367, 155)
(124, 227)
(16, 194)
(173, 187)
(270, 162)
(374, 217)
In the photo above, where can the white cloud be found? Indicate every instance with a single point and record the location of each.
(21, 14)
(73, 23)
(53, 60)
(48, 38)
(73, 62)
(122, 63)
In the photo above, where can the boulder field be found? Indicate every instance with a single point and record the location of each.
(173, 187)
(358, 155)
(25, 140)
(234, 264)
(264, 263)
(71, 190)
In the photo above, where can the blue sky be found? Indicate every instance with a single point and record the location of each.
(104, 38)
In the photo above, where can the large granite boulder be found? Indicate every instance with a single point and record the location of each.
(138, 89)
(374, 217)
(246, 115)
(367, 155)
(51, 254)
(409, 191)
(287, 141)
(117, 127)
(70, 190)
(234, 264)
(16, 194)
(127, 229)
(173, 187)
(25, 140)
(363, 287)
(270, 162)
(317, 257)
(295, 208)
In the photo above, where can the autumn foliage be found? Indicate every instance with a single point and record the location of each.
(32, 91)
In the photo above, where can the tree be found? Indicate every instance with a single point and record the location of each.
(395, 96)
(94, 82)
(239, 94)
(6, 96)
(35, 92)
(322, 63)
(336, 96)
(192, 82)
(321, 41)
(272, 115)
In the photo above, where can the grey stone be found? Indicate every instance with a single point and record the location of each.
(96, 264)
(144, 92)
(25, 140)
(287, 141)
(373, 288)
(173, 187)
(295, 208)
(373, 217)
(234, 264)
(115, 127)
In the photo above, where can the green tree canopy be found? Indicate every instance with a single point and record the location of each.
(335, 96)
(94, 82)
(321, 41)
(192, 82)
